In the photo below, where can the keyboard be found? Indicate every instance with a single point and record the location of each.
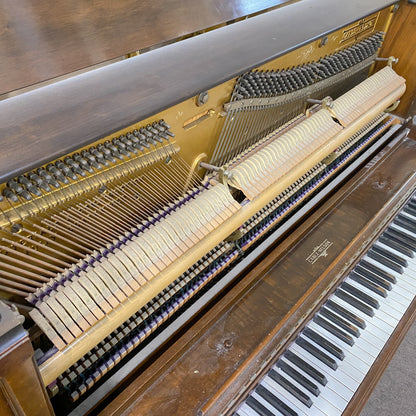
(318, 374)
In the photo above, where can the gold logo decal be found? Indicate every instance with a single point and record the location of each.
(364, 25)
(319, 251)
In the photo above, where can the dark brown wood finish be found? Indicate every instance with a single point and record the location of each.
(217, 356)
(21, 388)
(40, 41)
(44, 124)
(398, 42)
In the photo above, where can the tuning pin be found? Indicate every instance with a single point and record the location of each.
(10, 195)
(114, 150)
(55, 171)
(91, 159)
(29, 185)
(106, 153)
(82, 163)
(66, 170)
(98, 155)
(43, 181)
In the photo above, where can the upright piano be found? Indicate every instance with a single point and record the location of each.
(219, 221)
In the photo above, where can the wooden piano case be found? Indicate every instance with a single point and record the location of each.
(212, 363)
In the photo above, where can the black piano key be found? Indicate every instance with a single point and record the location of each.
(368, 284)
(360, 295)
(405, 222)
(392, 256)
(385, 261)
(354, 302)
(410, 210)
(356, 320)
(379, 272)
(302, 380)
(395, 234)
(324, 343)
(290, 387)
(373, 277)
(412, 203)
(401, 248)
(258, 407)
(339, 333)
(342, 323)
(316, 352)
(306, 367)
(273, 400)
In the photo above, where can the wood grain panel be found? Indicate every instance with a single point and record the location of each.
(399, 42)
(40, 40)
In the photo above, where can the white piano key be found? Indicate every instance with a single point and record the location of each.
(388, 319)
(339, 374)
(271, 408)
(290, 400)
(365, 352)
(245, 410)
(332, 385)
(388, 304)
(320, 402)
(376, 326)
(357, 365)
(403, 230)
(410, 261)
(364, 334)
(405, 279)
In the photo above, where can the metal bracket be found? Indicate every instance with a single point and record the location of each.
(390, 60)
(223, 174)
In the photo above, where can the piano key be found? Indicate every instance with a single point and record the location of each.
(317, 352)
(400, 295)
(411, 262)
(369, 337)
(390, 254)
(354, 370)
(375, 325)
(246, 410)
(321, 401)
(361, 349)
(285, 397)
(290, 387)
(281, 399)
(353, 301)
(340, 322)
(372, 276)
(381, 314)
(377, 270)
(368, 284)
(388, 304)
(306, 367)
(274, 401)
(333, 386)
(384, 260)
(405, 222)
(334, 330)
(356, 320)
(352, 290)
(401, 234)
(296, 375)
(405, 279)
(324, 343)
(341, 376)
(406, 230)
(396, 245)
